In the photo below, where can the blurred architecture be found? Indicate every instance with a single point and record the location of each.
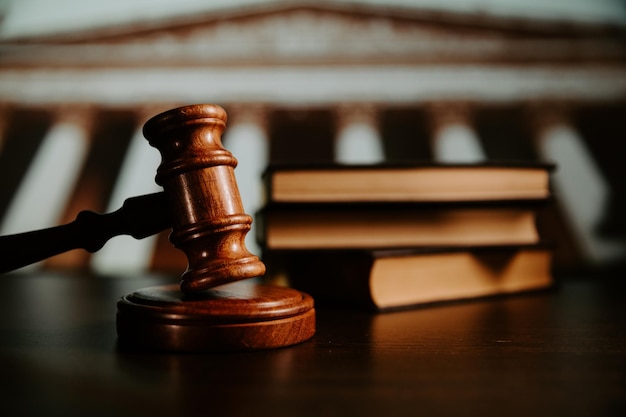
(311, 81)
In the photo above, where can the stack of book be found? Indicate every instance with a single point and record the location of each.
(393, 236)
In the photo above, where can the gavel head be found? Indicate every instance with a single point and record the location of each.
(197, 174)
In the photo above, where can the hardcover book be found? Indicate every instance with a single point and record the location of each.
(362, 225)
(406, 182)
(401, 278)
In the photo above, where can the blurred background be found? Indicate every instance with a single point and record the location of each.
(328, 80)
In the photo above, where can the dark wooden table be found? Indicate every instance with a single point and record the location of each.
(550, 354)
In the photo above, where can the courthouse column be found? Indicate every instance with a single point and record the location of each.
(49, 181)
(247, 138)
(124, 254)
(578, 182)
(358, 140)
(454, 140)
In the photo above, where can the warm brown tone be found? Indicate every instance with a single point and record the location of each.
(197, 173)
(401, 278)
(362, 225)
(209, 226)
(238, 316)
(414, 181)
(202, 204)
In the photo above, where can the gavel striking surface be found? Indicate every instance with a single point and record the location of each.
(209, 311)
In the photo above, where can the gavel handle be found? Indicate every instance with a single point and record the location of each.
(139, 217)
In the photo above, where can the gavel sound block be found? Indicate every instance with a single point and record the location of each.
(209, 310)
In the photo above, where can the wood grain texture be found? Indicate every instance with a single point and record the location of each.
(209, 310)
(197, 174)
(236, 316)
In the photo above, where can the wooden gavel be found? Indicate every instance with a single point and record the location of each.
(208, 310)
(200, 202)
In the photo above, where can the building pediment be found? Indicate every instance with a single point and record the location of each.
(308, 35)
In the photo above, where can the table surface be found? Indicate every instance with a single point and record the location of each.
(557, 353)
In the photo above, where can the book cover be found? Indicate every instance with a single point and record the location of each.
(364, 225)
(402, 278)
(425, 182)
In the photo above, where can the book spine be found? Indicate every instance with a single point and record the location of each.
(334, 278)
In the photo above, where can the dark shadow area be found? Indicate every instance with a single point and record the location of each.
(406, 135)
(301, 136)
